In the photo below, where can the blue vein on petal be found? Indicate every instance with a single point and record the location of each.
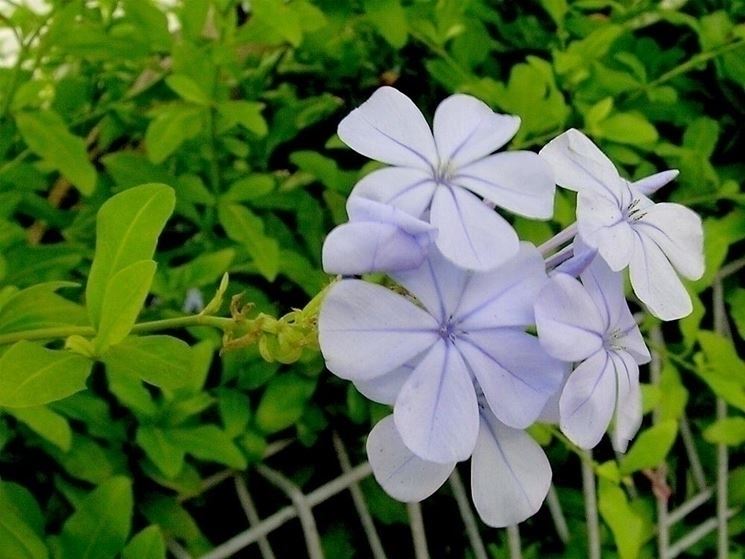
(394, 140)
(490, 357)
(451, 191)
(594, 386)
(439, 392)
(507, 462)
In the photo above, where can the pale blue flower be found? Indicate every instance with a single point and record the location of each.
(590, 323)
(440, 175)
(378, 238)
(430, 360)
(656, 241)
(510, 474)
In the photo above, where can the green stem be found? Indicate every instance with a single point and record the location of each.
(689, 65)
(56, 332)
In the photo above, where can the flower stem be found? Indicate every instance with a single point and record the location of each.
(563, 236)
(142, 328)
(591, 508)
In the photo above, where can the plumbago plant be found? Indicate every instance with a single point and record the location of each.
(455, 350)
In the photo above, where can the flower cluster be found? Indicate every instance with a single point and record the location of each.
(451, 348)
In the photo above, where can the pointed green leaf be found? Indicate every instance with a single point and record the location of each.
(163, 361)
(127, 230)
(170, 129)
(31, 375)
(245, 227)
(148, 544)
(39, 306)
(167, 456)
(627, 526)
(100, 526)
(46, 135)
(208, 442)
(122, 302)
(21, 524)
(46, 423)
(187, 89)
(650, 448)
(729, 431)
(246, 113)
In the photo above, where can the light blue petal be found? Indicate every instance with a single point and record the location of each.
(579, 165)
(366, 330)
(470, 234)
(651, 184)
(628, 416)
(388, 127)
(605, 287)
(516, 375)
(602, 225)
(436, 411)
(466, 129)
(518, 181)
(510, 474)
(438, 284)
(503, 296)
(588, 400)
(357, 248)
(409, 190)
(401, 473)
(569, 324)
(384, 389)
(656, 282)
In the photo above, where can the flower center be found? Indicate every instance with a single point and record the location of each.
(447, 330)
(614, 340)
(444, 172)
(633, 211)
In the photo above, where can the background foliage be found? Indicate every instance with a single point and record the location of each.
(234, 106)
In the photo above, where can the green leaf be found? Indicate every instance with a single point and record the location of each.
(45, 423)
(280, 18)
(127, 230)
(557, 9)
(187, 89)
(39, 306)
(163, 361)
(86, 460)
(650, 448)
(31, 375)
(47, 136)
(283, 402)
(100, 526)
(737, 309)
(210, 443)
(21, 524)
(729, 431)
(246, 113)
(722, 369)
(170, 128)
(627, 128)
(245, 227)
(148, 544)
(122, 302)
(389, 19)
(167, 456)
(249, 188)
(235, 411)
(150, 22)
(627, 526)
